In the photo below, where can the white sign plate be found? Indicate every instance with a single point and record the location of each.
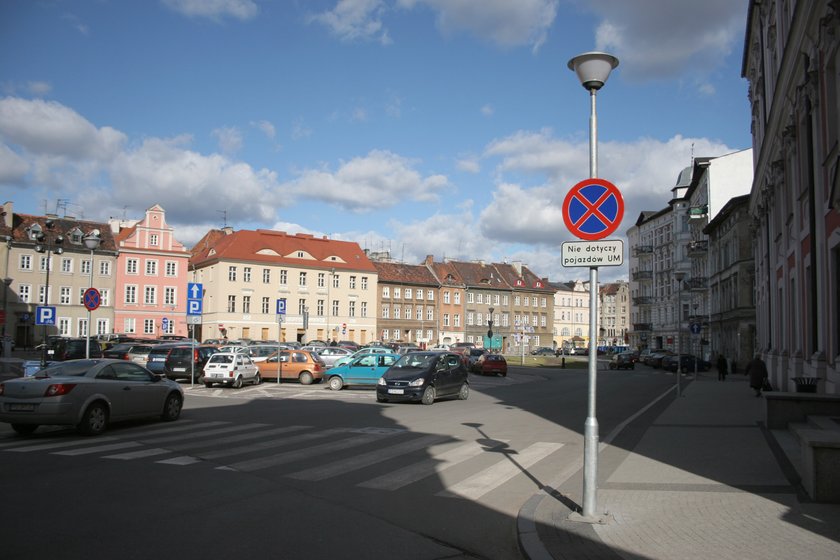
(607, 252)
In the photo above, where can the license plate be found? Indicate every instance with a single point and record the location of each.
(396, 391)
(158, 359)
(22, 407)
(179, 369)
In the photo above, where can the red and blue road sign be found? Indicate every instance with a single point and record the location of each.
(92, 299)
(593, 209)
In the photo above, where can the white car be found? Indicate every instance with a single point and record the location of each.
(231, 368)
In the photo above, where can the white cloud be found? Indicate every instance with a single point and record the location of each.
(662, 38)
(506, 23)
(214, 9)
(469, 164)
(353, 20)
(436, 235)
(13, 168)
(300, 130)
(266, 127)
(229, 138)
(378, 180)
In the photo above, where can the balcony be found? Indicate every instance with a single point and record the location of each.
(698, 248)
(642, 327)
(643, 275)
(641, 250)
(699, 283)
(643, 300)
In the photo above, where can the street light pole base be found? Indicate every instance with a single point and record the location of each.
(597, 519)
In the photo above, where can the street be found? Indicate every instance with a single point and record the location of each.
(304, 472)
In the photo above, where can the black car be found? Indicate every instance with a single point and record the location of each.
(543, 351)
(623, 360)
(63, 348)
(424, 377)
(156, 360)
(185, 361)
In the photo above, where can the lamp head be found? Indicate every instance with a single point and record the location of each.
(593, 68)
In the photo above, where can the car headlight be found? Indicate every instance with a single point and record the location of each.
(417, 382)
(381, 381)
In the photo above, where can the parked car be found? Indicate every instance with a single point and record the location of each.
(687, 363)
(132, 351)
(424, 377)
(261, 351)
(464, 345)
(491, 364)
(301, 365)
(87, 394)
(473, 355)
(156, 358)
(231, 368)
(624, 360)
(579, 351)
(365, 369)
(349, 344)
(63, 348)
(406, 347)
(369, 350)
(186, 361)
(543, 351)
(655, 360)
(331, 354)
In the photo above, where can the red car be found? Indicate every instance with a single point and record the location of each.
(491, 364)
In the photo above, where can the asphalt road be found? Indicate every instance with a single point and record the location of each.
(293, 472)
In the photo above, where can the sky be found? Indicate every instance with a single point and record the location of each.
(451, 128)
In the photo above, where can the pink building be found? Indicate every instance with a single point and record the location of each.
(151, 278)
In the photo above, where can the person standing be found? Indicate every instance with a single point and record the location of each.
(722, 367)
(757, 372)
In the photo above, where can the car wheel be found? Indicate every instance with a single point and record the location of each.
(257, 379)
(171, 408)
(94, 420)
(24, 429)
(305, 378)
(336, 383)
(612, 366)
(208, 385)
(428, 395)
(464, 393)
(237, 383)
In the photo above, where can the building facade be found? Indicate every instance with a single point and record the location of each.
(792, 63)
(613, 314)
(408, 303)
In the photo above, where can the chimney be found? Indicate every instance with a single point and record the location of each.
(517, 265)
(430, 260)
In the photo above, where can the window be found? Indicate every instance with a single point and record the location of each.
(397, 310)
(25, 262)
(302, 279)
(322, 279)
(81, 296)
(335, 283)
(457, 298)
(148, 326)
(534, 301)
(171, 269)
(105, 298)
(516, 301)
(129, 325)
(150, 295)
(526, 301)
(419, 315)
(85, 267)
(446, 319)
(153, 240)
(266, 276)
(430, 295)
(246, 274)
(105, 268)
(151, 268)
(169, 295)
(45, 263)
(408, 293)
(301, 306)
(231, 305)
(397, 293)
(264, 305)
(364, 282)
(352, 282)
(364, 309)
(64, 296)
(479, 298)
(246, 304)
(67, 266)
(446, 296)
(283, 277)
(300, 254)
(386, 292)
(64, 326)
(131, 266)
(386, 312)
(319, 308)
(352, 309)
(456, 319)
(130, 294)
(25, 293)
(232, 274)
(505, 300)
(335, 307)
(470, 318)
(470, 297)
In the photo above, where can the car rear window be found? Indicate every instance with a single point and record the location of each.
(221, 358)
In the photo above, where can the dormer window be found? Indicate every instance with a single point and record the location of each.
(300, 254)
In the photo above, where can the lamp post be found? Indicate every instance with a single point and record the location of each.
(697, 356)
(92, 241)
(678, 276)
(49, 245)
(592, 69)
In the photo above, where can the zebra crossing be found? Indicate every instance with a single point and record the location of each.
(395, 458)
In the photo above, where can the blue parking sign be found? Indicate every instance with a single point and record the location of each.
(281, 306)
(45, 315)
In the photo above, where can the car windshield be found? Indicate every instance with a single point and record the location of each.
(415, 361)
(222, 358)
(71, 368)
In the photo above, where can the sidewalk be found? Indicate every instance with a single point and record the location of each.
(704, 480)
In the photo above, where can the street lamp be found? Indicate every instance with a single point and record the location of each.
(48, 245)
(699, 353)
(679, 276)
(92, 241)
(592, 69)
(490, 327)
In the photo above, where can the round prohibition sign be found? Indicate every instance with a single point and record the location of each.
(92, 299)
(593, 209)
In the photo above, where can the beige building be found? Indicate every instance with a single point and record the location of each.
(613, 314)
(571, 315)
(329, 287)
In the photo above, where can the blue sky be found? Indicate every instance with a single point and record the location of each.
(444, 127)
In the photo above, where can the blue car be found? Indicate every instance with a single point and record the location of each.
(363, 369)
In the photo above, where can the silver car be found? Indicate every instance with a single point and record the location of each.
(88, 394)
(331, 354)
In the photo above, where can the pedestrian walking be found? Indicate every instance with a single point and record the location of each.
(757, 371)
(722, 367)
